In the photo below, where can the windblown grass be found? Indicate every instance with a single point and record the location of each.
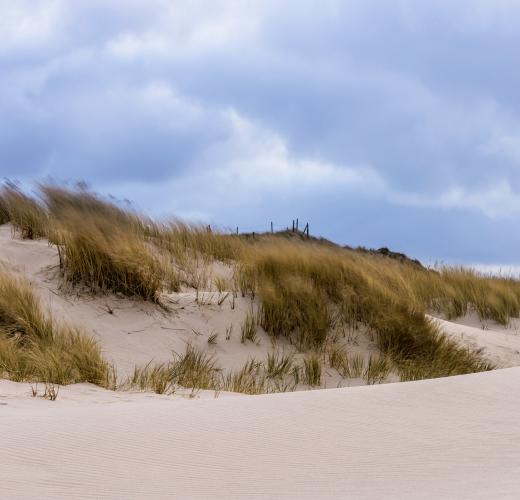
(307, 290)
(103, 246)
(26, 214)
(34, 347)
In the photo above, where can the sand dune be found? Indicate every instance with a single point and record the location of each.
(498, 344)
(456, 437)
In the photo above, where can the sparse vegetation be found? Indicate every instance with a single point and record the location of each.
(249, 328)
(248, 380)
(312, 367)
(338, 359)
(356, 366)
(377, 369)
(157, 378)
(279, 364)
(212, 339)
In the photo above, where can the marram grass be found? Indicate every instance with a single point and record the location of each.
(307, 290)
(34, 347)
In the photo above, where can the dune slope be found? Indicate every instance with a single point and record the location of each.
(455, 437)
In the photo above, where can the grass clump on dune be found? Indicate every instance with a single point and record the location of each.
(312, 368)
(103, 246)
(193, 369)
(26, 214)
(34, 347)
(196, 370)
(106, 258)
(306, 289)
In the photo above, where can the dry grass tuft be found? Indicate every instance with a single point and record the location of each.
(157, 378)
(378, 368)
(278, 364)
(249, 328)
(248, 380)
(339, 360)
(34, 347)
(312, 368)
(356, 366)
(26, 214)
(103, 246)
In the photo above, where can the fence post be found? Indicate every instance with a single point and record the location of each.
(306, 230)
(237, 230)
(272, 227)
(296, 224)
(293, 226)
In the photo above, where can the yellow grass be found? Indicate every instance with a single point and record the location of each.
(35, 347)
(27, 216)
(307, 289)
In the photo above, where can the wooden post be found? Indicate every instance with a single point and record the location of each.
(272, 227)
(237, 230)
(296, 224)
(253, 235)
(293, 225)
(306, 230)
(209, 228)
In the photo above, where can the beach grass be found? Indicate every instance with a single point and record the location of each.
(306, 290)
(34, 347)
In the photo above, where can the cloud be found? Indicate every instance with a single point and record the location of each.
(252, 163)
(377, 121)
(495, 201)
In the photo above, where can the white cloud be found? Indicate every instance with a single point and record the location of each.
(495, 200)
(259, 158)
(28, 24)
(249, 165)
(505, 145)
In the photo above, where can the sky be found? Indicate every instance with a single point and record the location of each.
(380, 122)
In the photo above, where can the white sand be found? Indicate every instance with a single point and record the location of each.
(498, 344)
(456, 437)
